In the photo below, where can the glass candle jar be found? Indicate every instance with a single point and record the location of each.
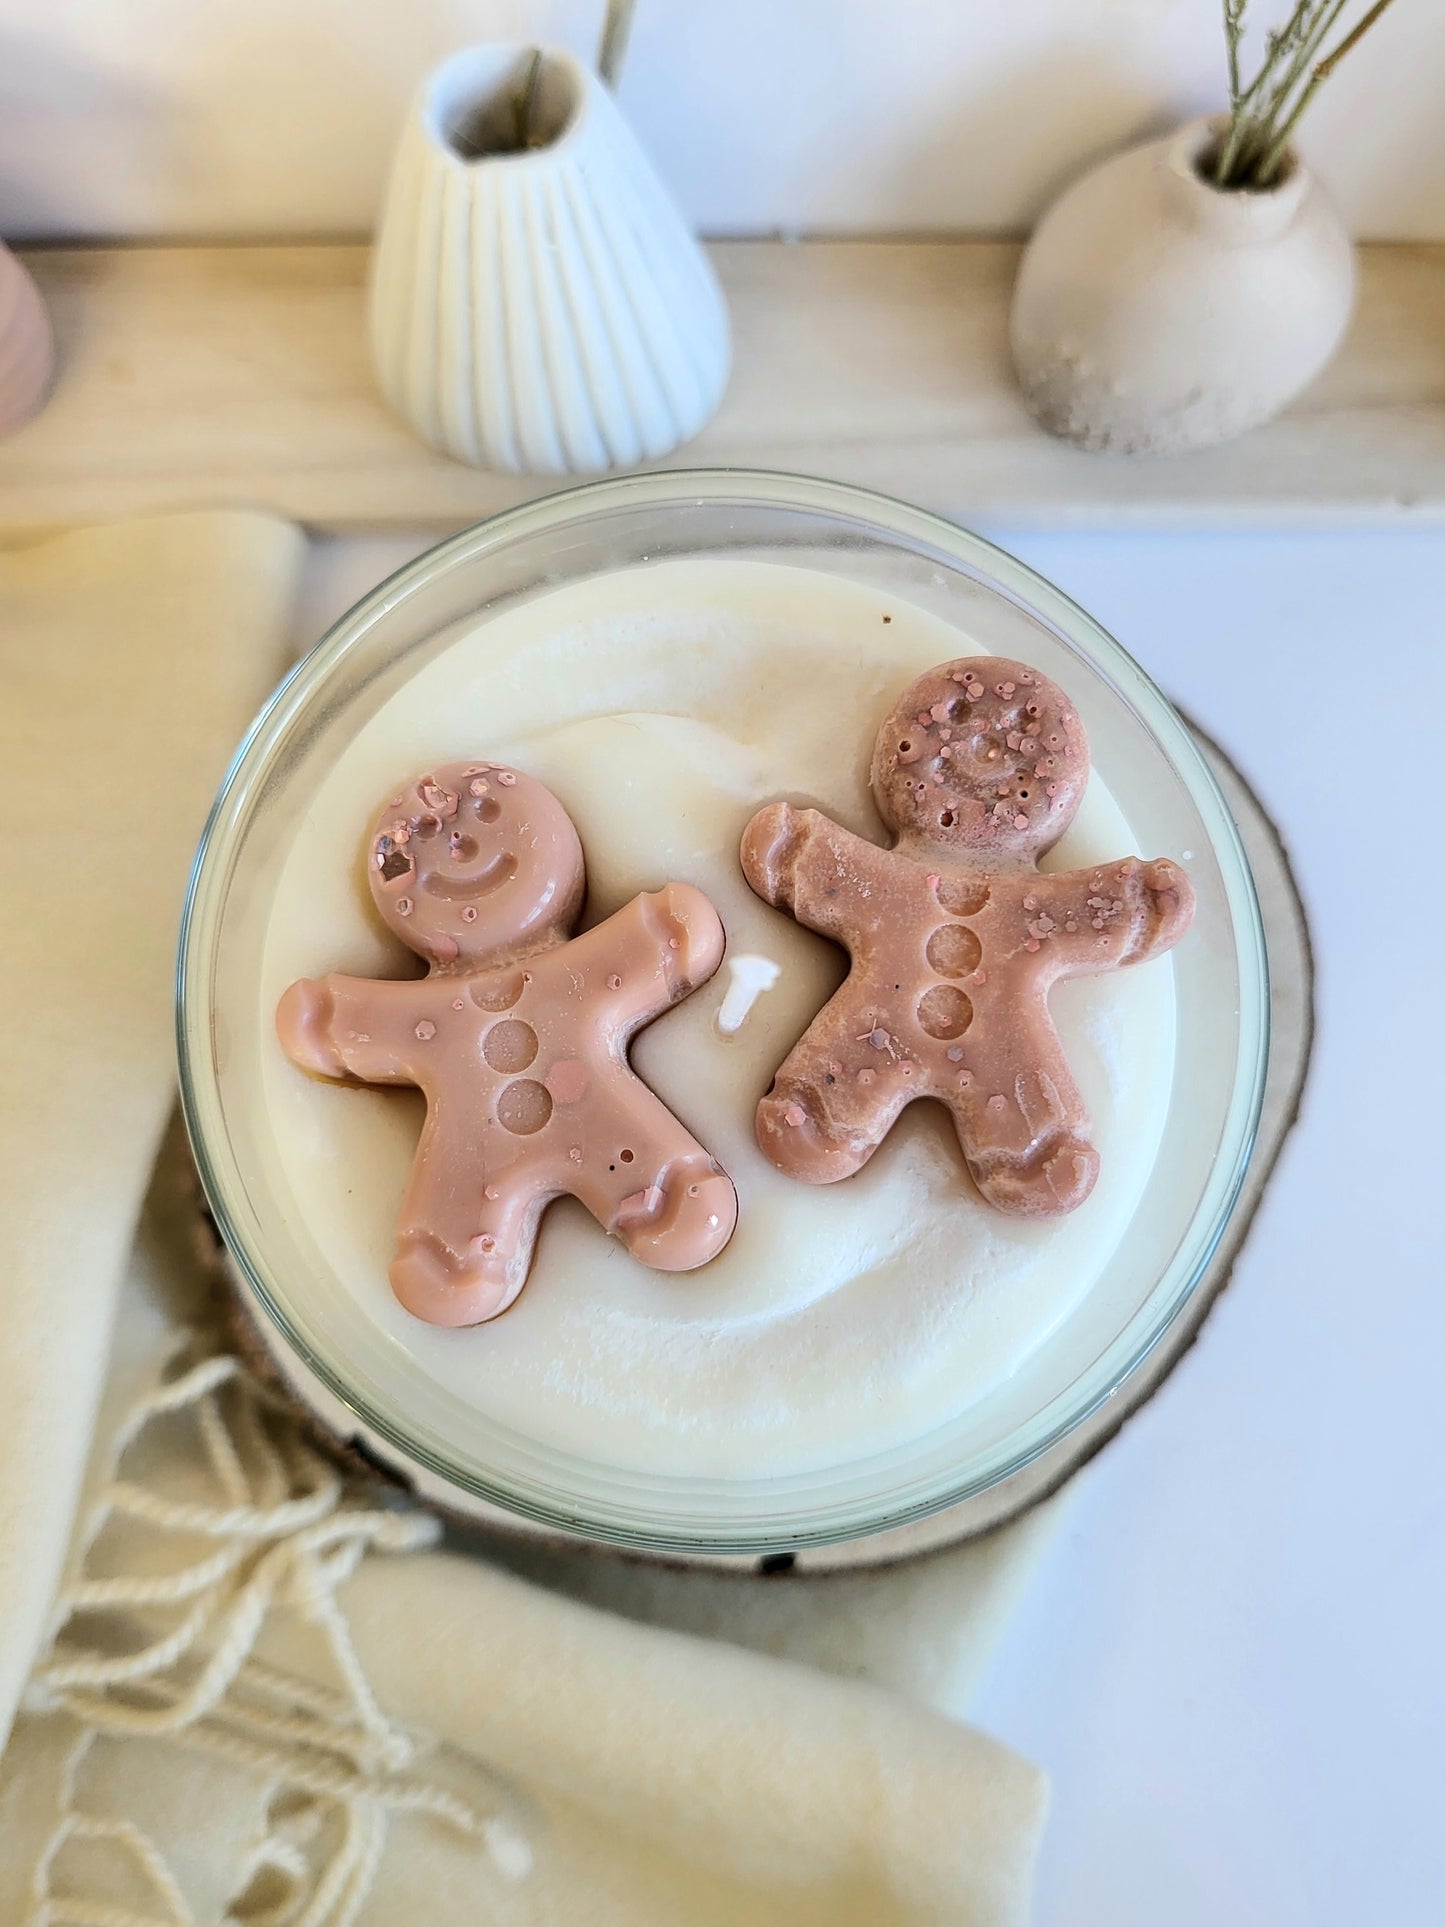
(391, 1386)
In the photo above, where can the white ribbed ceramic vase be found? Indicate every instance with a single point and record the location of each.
(1155, 312)
(546, 310)
(27, 348)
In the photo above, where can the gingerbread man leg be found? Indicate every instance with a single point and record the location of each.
(836, 1094)
(464, 1248)
(654, 1186)
(1025, 1137)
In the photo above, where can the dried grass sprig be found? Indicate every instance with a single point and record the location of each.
(616, 30)
(1264, 113)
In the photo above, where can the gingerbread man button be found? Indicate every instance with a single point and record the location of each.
(518, 1036)
(955, 939)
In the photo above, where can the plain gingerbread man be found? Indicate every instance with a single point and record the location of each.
(518, 1036)
(955, 938)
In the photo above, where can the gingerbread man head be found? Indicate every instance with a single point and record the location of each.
(475, 861)
(984, 759)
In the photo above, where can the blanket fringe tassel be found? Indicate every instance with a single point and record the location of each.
(280, 1532)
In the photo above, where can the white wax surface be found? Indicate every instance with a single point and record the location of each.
(664, 705)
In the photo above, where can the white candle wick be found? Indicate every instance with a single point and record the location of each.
(751, 976)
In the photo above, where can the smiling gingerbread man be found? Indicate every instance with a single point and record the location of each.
(955, 938)
(518, 1037)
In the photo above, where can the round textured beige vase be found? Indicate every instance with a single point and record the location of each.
(1155, 312)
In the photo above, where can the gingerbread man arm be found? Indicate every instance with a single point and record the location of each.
(803, 862)
(356, 1027)
(1105, 918)
(648, 955)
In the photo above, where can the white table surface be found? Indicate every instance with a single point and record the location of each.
(1232, 1661)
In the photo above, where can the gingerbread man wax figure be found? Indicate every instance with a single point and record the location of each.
(955, 938)
(518, 1037)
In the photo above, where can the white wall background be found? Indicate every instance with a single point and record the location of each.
(272, 117)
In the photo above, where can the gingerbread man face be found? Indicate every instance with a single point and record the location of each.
(518, 1037)
(982, 761)
(955, 938)
(473, 861)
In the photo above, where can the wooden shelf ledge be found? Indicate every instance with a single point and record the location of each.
(197, 376)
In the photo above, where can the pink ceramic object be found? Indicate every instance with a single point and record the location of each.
(27, 347)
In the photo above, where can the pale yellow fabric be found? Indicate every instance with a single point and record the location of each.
(575, 1764)
(757, 1772)
(130, 660)
(924, 1627)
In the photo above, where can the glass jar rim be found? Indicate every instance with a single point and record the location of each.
(847, 1518)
